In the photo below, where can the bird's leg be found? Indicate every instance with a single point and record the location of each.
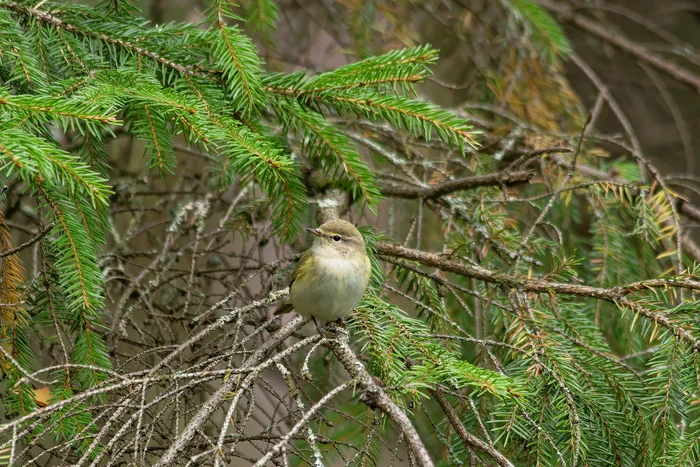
(317, 326)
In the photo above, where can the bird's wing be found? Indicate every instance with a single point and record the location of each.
(287, 307)
(283, 309)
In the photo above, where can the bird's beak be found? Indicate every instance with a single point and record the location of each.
(316, 232)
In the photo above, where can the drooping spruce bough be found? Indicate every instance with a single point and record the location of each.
(548, 293)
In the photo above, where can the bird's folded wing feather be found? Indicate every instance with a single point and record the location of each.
(283, 309)
(287, 307)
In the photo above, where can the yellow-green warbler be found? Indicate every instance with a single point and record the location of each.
(332, 275)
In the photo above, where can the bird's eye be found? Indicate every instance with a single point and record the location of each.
(336, 238)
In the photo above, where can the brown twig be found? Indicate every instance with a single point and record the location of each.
(468, 439)
(441, 189)
(29, 243)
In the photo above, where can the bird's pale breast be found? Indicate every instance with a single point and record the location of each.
(336, 287)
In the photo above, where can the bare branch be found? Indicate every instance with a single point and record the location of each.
(441, 189)
(374, 396)
(469, 440)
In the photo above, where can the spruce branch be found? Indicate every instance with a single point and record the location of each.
(262, 15)
(396, 70)
(75, 29)
(420, 118)
(236, 56)
(616, 295)
(321, 141)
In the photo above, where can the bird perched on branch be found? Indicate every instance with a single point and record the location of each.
(332, 275)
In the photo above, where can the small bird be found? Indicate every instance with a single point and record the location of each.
(332, 275)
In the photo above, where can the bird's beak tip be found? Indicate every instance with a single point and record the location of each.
(316, 232)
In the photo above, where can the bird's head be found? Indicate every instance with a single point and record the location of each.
(339, 236)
